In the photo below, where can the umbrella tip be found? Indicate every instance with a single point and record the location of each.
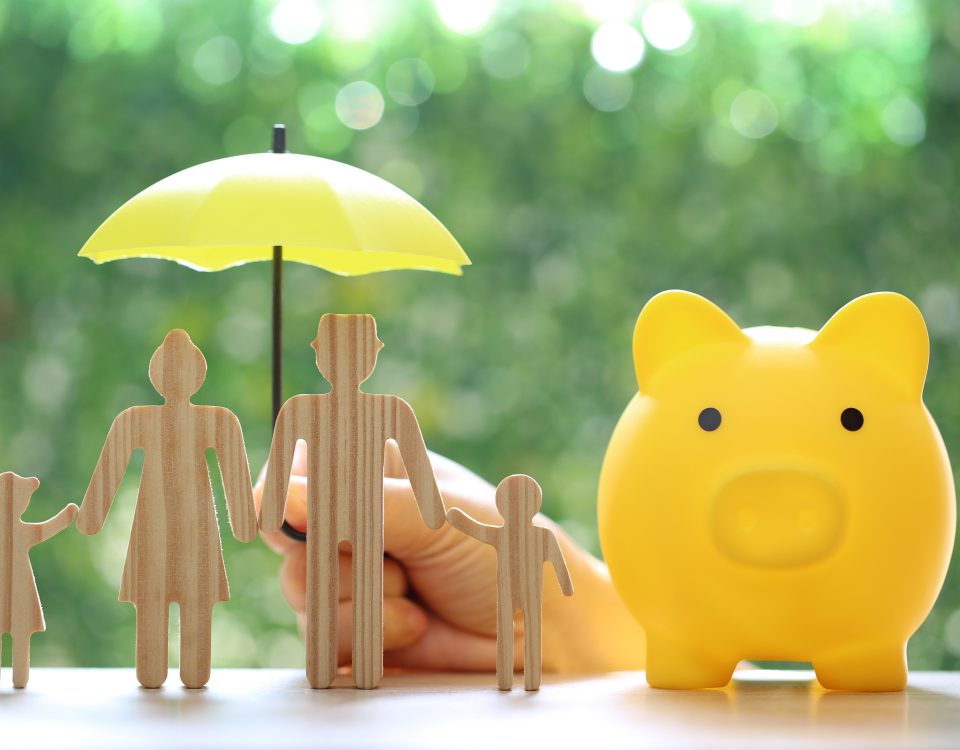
(279, 138)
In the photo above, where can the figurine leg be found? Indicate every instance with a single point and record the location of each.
(676, 665)
(532, 651)
(504, 647)
(864, 667)
(195, 627)
(322, 595)
(367, 615)
(152, 635)
(21, 660)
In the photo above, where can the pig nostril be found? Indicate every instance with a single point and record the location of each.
(746, 519)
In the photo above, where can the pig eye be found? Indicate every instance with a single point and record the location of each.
(851, 419)
(709, 419)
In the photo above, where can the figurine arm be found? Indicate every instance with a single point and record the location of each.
(554, 555)
(235, 473)
(416, 460)
(43, 531)
(111, 466)
(279, 466)
(472, 527)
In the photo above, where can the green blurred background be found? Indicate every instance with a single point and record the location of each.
(780, 158)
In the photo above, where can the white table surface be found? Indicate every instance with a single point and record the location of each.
(240, 708)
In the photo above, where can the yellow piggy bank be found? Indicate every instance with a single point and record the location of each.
(778, 493)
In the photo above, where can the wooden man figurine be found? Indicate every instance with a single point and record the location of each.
(522, 549)
(346, 431)
(20, 612)
(174, 553)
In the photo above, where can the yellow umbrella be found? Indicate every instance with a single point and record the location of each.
(278, 206)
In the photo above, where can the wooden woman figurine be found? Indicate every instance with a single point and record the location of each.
(522, 549)
(346, 431)
(174, 553)
(20, 612)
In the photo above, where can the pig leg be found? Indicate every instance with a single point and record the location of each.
(675, 664)
(864, 667)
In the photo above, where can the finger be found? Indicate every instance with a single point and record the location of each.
(392, 462)
(295, 514)
(444, 469)
(293, 578)
(410, 540)
(443, 647)
(405, 535)
(404, 624)
(299, 459)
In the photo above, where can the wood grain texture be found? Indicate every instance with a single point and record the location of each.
(346, 431)
(20, 612)
(175, 552)
(522, 550)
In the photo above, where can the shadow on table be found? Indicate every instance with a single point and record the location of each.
(794, 705)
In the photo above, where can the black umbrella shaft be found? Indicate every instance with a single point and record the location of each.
(277, 330)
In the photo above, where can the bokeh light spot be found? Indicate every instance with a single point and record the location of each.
(805, 120)
(753, 114)
(217, 61)
(410, 82)
(903, 121)
(607, 91)
(667, 25)
(618, 47)
(797, 12)
(465, 16)
(602, 11)
(505, 54)
(296, 21)
(359, 105)
(727, 147)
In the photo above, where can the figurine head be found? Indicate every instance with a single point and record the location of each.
(519, 497)
(177, 368)
(347, 348)
(17, 490)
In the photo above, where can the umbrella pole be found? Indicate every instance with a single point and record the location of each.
(279, 147)
(277, 331)
(278, 359)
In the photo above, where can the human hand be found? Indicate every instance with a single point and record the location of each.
(440, 598)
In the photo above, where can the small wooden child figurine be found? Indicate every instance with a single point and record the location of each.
(20, 612)
(174, 553)
(522, 549)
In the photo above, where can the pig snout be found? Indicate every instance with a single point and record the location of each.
(778, 518)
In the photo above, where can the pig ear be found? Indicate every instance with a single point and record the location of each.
(885, 329)
(674, 323)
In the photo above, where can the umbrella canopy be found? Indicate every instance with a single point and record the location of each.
(235, 210)
(278, 206)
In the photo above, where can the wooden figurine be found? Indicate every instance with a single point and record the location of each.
(346, 431)
(175, 552)
(20, 613)
(522, 550)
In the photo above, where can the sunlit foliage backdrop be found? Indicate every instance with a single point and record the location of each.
(780, 158)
